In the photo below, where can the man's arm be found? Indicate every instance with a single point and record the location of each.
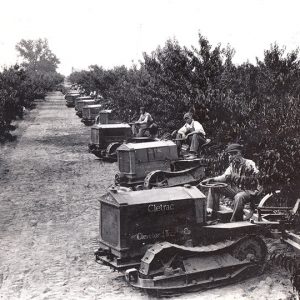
(146, 119)
(198, 128)
(252, 165)
(222, 178)
(182, 130)
(139, 120)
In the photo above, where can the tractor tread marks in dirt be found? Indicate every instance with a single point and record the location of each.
(291, 263)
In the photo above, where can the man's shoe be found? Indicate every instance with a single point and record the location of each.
(207, 142)
(191, 156)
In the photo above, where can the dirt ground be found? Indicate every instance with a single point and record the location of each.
(49, 187)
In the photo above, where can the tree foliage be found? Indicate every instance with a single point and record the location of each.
(37, 55)
(40, 64)
(21, 85)
(256, 105)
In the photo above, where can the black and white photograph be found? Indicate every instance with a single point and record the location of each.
(150, 150)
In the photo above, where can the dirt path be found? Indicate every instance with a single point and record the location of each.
(49, 187)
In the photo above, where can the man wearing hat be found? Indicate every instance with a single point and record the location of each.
(193, 133)
(241, 177)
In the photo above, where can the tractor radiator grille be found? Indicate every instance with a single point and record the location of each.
(85, 113)
(95, 136)
(124, 162)
(109, 224)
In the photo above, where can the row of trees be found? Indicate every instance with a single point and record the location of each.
(21, 84)
(256, 105)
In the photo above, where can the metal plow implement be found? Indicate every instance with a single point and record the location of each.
(168, 269)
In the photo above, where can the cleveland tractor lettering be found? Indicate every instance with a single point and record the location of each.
(141, 236)
(165, 234)
(162, 207)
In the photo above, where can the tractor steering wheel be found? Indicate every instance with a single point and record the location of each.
(216, 185)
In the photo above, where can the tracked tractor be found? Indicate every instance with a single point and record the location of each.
(108, 133)
(156, 165)
(166, 243)
(90, 112)
(70, 98)
(83, 103)
(106, 138)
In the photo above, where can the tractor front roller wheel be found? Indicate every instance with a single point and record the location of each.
(155, 179)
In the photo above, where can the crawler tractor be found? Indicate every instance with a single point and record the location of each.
(70, 98)
(81, 98)
(89, 113)
(155, 164)
(82, 103)
(163, 239)
(107, 134)
(106, 138)
(105, 117)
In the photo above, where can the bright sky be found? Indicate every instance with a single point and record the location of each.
(116, 32)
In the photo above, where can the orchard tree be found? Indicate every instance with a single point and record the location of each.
(21, 85)
(37, 55)
(40, 64)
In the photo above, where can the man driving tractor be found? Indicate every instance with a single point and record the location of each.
(241, 177)
(145, 122)
(193, 134)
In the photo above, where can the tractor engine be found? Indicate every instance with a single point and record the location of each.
(103, 135)
(89, 113)
(81, 98)
(70, 98)
(130, 222)
(82, 103)
(136, 160)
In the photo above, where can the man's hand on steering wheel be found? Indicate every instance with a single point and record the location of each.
(212, 183)
(208, 181)
(181, 136)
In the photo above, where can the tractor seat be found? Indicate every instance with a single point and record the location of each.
(226, 209)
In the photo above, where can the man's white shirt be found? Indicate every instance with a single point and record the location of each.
(194, 126)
